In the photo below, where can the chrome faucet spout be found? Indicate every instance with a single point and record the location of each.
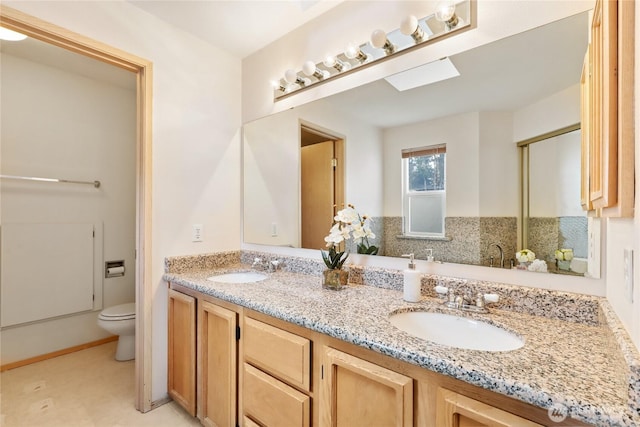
(501, 254)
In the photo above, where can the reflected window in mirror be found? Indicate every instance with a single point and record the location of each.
(424, 190)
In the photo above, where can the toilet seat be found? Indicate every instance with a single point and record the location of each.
(119, 312)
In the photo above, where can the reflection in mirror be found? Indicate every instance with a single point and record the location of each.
(553, 218)
(502, 92)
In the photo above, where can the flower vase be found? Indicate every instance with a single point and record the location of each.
(563, 265)
(335, 279)
(523, 265)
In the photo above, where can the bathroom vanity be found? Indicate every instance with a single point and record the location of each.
(284, 351)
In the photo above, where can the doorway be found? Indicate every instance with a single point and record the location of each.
(33, 27)
(321, 183)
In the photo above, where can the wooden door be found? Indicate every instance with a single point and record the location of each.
(317, 193)
(456, 410)
(217, 366)
(182, 350)
(354, 392)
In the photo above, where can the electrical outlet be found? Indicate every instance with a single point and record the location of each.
(628, 274)
(197, 232)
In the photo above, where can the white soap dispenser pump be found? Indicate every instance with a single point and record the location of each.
(411, 281)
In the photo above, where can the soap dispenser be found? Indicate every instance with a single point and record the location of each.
(411, 281)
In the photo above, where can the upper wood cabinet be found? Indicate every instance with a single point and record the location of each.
(607, 112)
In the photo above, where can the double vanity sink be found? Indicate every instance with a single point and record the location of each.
(537, 356)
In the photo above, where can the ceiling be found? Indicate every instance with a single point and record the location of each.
(240, 27)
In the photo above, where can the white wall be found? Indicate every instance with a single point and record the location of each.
(272, 169)
(625, 233)
(58, 124)
(498, 165)
(461, 135)
(196, 137)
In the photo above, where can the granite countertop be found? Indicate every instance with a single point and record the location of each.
(561, 363)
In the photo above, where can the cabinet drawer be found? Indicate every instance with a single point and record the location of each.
(271, 402)
(281, 353)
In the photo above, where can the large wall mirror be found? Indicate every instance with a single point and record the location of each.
(477, 104)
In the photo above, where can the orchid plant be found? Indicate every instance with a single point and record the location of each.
(348, 224)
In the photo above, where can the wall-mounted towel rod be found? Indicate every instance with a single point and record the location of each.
(66, 181)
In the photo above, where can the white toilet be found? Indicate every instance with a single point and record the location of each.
(121, 320)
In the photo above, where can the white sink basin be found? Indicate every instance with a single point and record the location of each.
(455, 331)
(240, 277)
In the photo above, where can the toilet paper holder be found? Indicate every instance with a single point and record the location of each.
(113, 269)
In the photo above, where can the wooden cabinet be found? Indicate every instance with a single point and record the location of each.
(203, 358)
(217, 365)
(355, 392)
(607, 87)
(457, 410)
(276, 375)
(182, 350)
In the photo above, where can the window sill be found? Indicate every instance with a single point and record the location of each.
(428, 238)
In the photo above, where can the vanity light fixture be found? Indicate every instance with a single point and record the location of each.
(310, 69)
(332, 61)
(10, 35)
(446, 12)
(293, 78)
(449, 16)
(410, 26)
(379, 40)
(353, 51)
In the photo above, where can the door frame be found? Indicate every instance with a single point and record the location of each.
(58, 36)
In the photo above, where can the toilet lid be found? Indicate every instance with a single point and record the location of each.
(119, 312)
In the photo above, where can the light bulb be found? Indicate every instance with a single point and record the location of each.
(446, 12)
(329, 61)
(410, 27)
(310, 69)
(379, 40)
(292, 77)
(353, 51)
(277, 85)
(10, 35)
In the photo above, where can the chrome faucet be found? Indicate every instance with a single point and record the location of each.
(466, 302)
(259, 264)
(501, 255)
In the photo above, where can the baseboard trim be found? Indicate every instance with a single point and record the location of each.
(157, 403)
(62, 352)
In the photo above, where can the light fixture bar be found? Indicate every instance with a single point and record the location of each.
(449, 17)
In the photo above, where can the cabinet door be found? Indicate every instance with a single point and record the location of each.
(355, 392)
(217, 365)
(182, 350)
(456, 410)
(603, 123)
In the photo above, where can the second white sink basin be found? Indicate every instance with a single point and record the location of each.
(456, 331)
(240, 277)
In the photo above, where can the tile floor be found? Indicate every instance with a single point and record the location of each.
(88, 388)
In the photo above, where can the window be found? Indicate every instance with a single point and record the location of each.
(424, 190)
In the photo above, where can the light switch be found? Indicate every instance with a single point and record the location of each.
(628, 274)
(274, 229)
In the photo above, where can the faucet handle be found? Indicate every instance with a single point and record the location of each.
(491, 298)
(441, 290)
(274, 264)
